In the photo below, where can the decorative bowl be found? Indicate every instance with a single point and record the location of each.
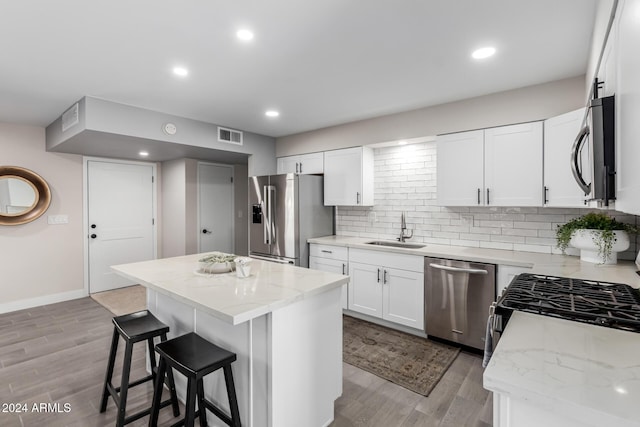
(217, 262)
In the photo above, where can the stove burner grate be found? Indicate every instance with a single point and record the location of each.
(608, 304)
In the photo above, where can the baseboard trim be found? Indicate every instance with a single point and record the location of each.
(43, 300)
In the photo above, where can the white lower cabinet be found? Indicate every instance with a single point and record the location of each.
(389, 286)
(332, 259)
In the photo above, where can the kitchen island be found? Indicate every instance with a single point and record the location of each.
(283, 322)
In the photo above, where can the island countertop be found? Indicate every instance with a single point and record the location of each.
(235, 300)
(587, 373)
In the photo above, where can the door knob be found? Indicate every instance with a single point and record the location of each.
(205, 231)
(93, 226)
(93, 236)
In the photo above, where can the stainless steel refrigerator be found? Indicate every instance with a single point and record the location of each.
(285, 211)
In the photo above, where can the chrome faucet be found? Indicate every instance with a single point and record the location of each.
(403, 229)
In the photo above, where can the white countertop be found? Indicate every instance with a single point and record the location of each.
(589, 373)
(548, 264)
(225, 296)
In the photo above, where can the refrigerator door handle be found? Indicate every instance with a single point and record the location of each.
(271, 197)
(267, 216)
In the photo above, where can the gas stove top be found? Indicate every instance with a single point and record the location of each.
(612, 305)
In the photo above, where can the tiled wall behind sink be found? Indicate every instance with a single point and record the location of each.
(405, 180)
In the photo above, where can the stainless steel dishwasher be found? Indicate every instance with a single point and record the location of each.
(457, 298)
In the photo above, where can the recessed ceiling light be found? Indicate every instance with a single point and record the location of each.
(143, 153)
(271, 113)
(484, 52)
(245, 35)
(180, 71)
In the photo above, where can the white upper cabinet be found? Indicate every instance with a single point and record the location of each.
(493, 167)
(312, 163)
(460, 168)
(561, 189)
(608, 70)
(627, 107)
(348, 177)
(513, 165)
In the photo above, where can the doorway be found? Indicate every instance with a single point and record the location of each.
(120, 212)
(215, 208)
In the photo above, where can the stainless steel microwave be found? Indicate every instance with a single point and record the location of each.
(597, 137)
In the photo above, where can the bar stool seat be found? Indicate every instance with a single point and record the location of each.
(195, 357)
(133, 328)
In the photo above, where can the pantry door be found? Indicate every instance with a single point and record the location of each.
(215, 208)
(120, 219)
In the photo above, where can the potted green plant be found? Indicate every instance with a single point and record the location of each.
(598, 236)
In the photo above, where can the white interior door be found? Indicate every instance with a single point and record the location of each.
(215, 212)
(120, 215)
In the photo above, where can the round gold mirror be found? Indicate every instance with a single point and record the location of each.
(24, 195)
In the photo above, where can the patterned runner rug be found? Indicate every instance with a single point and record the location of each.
(412, 362)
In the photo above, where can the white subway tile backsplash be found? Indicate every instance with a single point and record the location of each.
(405, 180)
(497, 245)
(532, 225)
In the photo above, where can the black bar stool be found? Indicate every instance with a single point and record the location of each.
(133, 328)
(195, 358)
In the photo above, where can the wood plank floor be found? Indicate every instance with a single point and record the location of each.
(57, 354)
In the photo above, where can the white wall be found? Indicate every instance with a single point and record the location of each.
(241, 202)
(513, 106)
(173, 208)
(405, 180)
(40, 262)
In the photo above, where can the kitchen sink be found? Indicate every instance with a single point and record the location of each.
(396, 244)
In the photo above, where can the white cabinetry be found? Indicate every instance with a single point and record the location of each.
(513, 165)
(506, 273)
(312, 163)
(627, 107)
(608, 70)
(460, 168)
(388, 286)
(348, 177)
(333, 259)
(493, 167)
(561, 189)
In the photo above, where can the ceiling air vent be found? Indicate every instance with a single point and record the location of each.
(229, 135)
(70, 117)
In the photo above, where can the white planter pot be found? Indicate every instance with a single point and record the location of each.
(585, 241)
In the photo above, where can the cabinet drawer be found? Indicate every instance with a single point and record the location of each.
(388, 259)
(327, 251)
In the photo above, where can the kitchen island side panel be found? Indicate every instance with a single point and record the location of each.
(306, 361)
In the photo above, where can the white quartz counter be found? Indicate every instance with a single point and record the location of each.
(588, 374)
(235, 300)
(548, 371)
(548, 264)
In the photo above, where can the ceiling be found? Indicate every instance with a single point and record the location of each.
(319, 63)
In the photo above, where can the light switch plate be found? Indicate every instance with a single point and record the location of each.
(58, 219)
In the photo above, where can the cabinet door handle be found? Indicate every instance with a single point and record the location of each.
(478, 196)
(384, 277)
(326, 251)
(344, 266)
(487, 196)
(546, 194)
(378, 275)
(357, 198)
(296, 167)
(300, 167)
